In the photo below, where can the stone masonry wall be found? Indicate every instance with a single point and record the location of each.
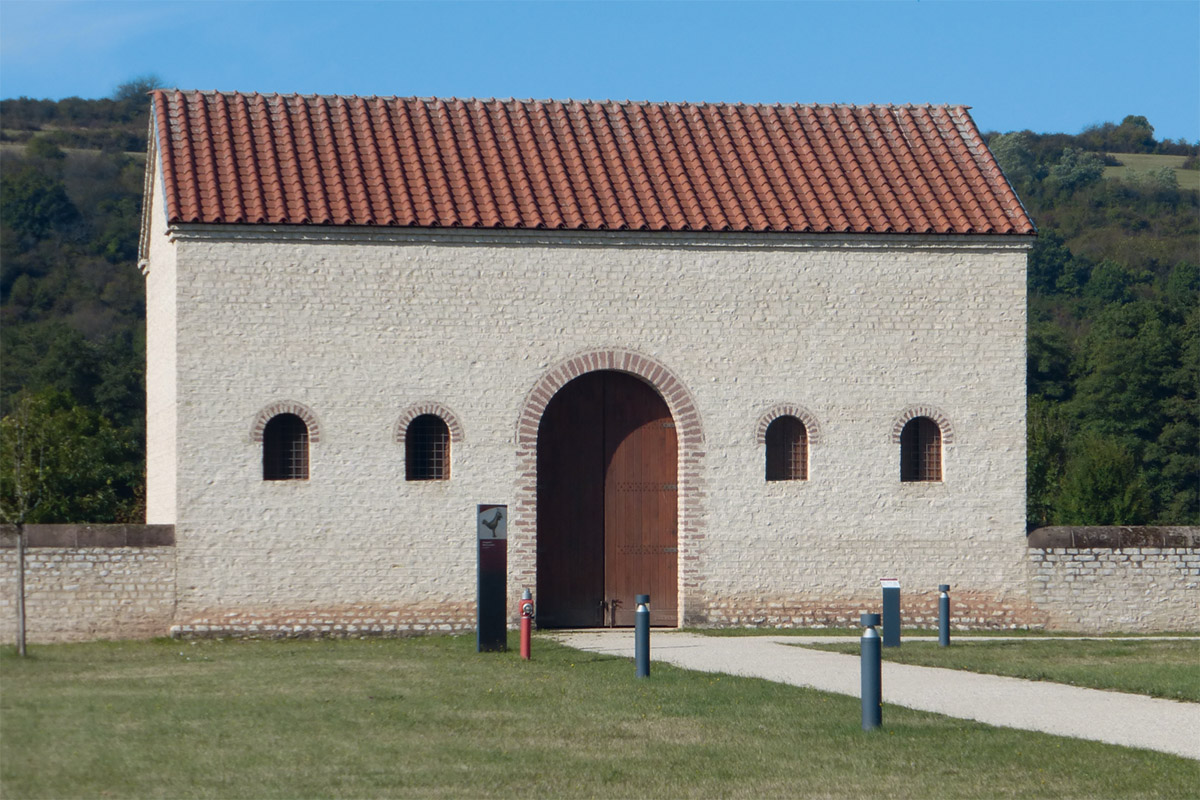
(89, 582)
(114, 582)
(357, 326)
(1116, 579)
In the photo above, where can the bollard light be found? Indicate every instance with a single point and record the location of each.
(642, 635)
(944, 615)
(872, 674)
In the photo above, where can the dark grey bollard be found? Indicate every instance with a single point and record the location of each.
(891, 613)
(944, 615)
(642, 635)
(872, 674)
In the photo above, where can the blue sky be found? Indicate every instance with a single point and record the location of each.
(1047, 66)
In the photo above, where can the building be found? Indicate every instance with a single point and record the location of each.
(747, 359)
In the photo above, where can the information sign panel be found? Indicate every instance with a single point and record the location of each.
(491, 533)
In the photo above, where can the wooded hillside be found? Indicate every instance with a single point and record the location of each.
(1114, 315)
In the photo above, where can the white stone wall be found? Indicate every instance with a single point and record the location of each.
(358, 326)
(160, 364)
(79, 593)
(1137, 589)
(75, 594)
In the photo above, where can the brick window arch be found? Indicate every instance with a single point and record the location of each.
(286, 430)
(286, 407)
(788, 432)
(427, 430)
(427, 449)
(921, 450)
(811, 427)
(786, 439)
(285, 448)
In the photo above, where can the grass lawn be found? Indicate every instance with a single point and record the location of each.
(429, 717)
(1168, 668)
(1132, 163)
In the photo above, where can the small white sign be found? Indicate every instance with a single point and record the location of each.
(889, 583)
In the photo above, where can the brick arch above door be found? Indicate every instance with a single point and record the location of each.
(690, 431)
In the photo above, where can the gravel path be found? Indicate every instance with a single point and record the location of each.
(1112, 717)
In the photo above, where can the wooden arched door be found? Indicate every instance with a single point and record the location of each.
(606, 504)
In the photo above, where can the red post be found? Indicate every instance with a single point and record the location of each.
(526, 624)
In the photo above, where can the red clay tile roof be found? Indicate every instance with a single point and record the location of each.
(311, 160)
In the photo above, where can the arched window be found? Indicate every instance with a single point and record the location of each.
(921, 450)
(285, 449)
(787, 450)
(427, 449)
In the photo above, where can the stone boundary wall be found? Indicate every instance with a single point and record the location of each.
(1116, 579)
(1115, 537)
(118, 581)
(74, 536)
(87, 582)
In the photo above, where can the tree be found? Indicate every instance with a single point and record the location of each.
(1110, 283)
(1047, 362)
(32, 203)
(1076, 169)
(1123, 366)
(1015, 157)
(1137, 386)
(22, 489)
(1183, 286)
(1103, 486)
(1052, 267)
(41, 147)
(1175, 454)
(1048, 436)
(1135, 134)
(87, 470)
(59, 463)
(135, 89)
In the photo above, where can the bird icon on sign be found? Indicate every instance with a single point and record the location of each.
(491, 524)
